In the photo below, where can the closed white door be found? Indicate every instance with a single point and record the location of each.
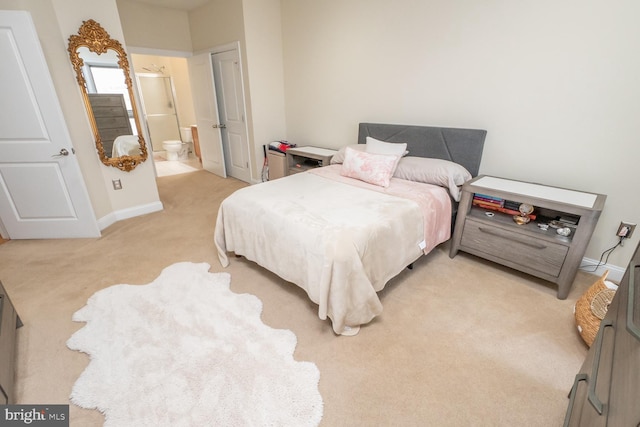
(229, 88)
(206, 110)
(42, 192)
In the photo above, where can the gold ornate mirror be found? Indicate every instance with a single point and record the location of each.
(102, 71)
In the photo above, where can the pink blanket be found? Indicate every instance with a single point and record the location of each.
(433, 200)
(332, 237)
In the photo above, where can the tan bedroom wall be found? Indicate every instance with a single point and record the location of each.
(265, 72)
(256, 25)
(555, 84)
(152, 27)
(216, 23)
(139, 192)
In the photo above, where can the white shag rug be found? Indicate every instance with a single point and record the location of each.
(186, 351)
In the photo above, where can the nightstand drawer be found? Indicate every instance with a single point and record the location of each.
(522, 249)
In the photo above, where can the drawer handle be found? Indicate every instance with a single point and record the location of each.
(631, 326)
(593, 398)
(572, 397)
(524, 242)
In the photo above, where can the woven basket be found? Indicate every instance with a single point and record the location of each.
(591, 308)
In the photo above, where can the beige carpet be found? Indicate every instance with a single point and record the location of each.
(461, 342)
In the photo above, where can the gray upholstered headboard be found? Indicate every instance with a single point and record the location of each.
(463, 146)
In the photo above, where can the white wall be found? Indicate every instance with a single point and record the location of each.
(554, 83)
(265, 73)
(217, 23)
(149, 26)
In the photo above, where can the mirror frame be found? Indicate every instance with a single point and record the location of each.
(92, 36)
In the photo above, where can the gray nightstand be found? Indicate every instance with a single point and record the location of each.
(542, 253)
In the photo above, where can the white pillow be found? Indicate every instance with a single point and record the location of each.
(375, 146)
(440, 172)
(375, 169)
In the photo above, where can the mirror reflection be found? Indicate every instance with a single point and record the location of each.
(102, 71)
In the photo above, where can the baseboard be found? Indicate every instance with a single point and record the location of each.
(615, 272)
(116, 216)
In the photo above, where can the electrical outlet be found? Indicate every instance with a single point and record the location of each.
(625, 230)
(117, 185)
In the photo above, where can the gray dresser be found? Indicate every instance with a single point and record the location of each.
(112, 118)
(606, 391)
(9, 321)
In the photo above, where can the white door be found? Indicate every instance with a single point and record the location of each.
(42, 193)
(204, 102)
(228, 83)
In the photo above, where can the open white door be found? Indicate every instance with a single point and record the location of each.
(42, 192)
(204, 101)
(228, 80)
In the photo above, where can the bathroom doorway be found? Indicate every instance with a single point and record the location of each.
(166, 102)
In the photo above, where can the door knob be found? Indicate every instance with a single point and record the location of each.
(221, 126)
(63, 152)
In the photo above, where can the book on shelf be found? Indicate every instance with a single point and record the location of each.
(487, 197)
(490, 206)
(510, 204)
(495, 201)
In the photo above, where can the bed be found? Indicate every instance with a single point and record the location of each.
(341, 232)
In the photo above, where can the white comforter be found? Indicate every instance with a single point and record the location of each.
(339, 239)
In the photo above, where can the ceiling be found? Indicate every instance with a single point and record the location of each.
(185, 5)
